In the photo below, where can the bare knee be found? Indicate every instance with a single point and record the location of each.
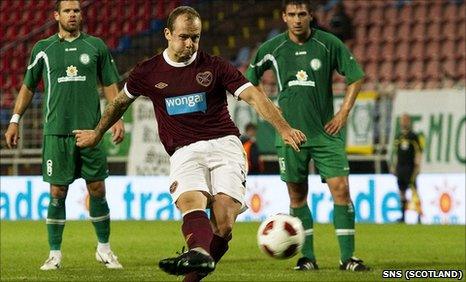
(58, 192)
(340, 190)
(297, 193)
(96, 189)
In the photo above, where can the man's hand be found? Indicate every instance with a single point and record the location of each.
(118, 132)
(12, 135)
(86, 138)
(293, 137)
(337, 122)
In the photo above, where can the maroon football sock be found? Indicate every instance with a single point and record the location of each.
(197, 230)
(219, 247)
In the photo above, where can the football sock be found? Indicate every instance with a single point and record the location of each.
(197, 230)
(219, 246)
(55, 254)
(343, 220)
(100, 217)
(56, 218)
(304, 214)
(103, 247)
(404, 204)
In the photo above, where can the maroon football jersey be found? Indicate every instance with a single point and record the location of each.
(189, 98)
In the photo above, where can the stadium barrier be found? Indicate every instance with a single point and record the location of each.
(147, 198)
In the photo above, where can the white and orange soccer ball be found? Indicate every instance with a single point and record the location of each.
(281, 236)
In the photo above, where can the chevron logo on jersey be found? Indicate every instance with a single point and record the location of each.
(186, 104)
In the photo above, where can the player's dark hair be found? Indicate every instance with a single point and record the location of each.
(250, 126)
(181, 10)
(58, 3)
(297, 2)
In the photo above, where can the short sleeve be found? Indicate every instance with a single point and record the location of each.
(34, 69)
(134, 86)
(259, 64)
(346, 63)
(231, 78)
(108, 72)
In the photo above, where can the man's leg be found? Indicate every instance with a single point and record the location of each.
(99, 214)
(299, 208)
(198, 234)
(343, 215)
(56, 218)
(224, 210)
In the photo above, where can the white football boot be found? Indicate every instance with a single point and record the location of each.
(52, 263)
(109, 259)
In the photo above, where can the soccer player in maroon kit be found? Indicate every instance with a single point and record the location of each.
(208, 167)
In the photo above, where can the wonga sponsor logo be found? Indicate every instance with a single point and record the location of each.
(190, 103)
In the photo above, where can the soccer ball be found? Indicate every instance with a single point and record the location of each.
(281, 236)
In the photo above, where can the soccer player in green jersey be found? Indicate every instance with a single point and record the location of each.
(70, 64)
(303, 60)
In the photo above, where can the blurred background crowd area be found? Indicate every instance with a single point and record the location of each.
(401, 44)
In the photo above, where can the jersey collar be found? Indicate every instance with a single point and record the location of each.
(177, 64)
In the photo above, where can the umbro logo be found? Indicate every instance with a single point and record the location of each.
(161, 85)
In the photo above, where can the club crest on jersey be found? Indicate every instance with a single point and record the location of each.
(316, 64)
(161, 85)
(71, 75)
(84, 58)
(301, 75)
(204, 78)
(173, 187)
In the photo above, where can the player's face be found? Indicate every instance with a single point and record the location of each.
(297, 18)
(183, 41)
(69, 16)
(405, 122)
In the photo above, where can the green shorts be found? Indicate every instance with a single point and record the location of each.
(63, 162)
(330, 160)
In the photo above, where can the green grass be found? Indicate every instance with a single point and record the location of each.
(141, 244)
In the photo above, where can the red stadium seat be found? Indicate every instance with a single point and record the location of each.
(401, 71)
(388, 52)
(371, 71)
(389, 34)
(432, 50)
(374, 34)
(361, 17)
(406, 15)
(461, 70)
(448, 50)
(449, 69)
(420, 14)
(432, 71)
(361, 34)
(358, 52)
(418, 32)
(449, 31)
(434, 31)
(404, 32)
(417, 51)
(435, 12)
(450, 12)
(373, 53)
(386, 72)
(402, 51)
(461, 29)
(376, 15)
(416, 71)
(391, 16)
(460, 51)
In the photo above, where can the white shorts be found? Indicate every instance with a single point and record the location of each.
(213, 166)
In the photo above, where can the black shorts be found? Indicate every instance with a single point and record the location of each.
(405, 177)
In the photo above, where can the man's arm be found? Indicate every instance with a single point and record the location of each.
(118, 129)
(22, 102)
(113, 112)
(339, 120)
(268, 111)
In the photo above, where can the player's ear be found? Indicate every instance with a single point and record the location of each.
(56, 15)
(168, 34)
(284, 16)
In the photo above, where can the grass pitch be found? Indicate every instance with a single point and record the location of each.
(141, 244)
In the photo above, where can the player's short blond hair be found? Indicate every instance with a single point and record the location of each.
(58, 3)
(190, 13)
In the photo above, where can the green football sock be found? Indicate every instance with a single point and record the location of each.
(304, 214)
(100, 217)
(343, 220)
(56, 218)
